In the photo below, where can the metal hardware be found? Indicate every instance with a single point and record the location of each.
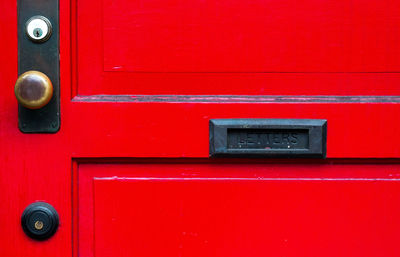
(33, 89)
(38, 28)
(283, 138)
(39, 221)
(38, 50)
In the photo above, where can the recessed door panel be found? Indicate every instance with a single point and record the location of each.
(238, 210)
(256, 36)
(238, 47)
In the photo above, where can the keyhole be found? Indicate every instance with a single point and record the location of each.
(37, 32)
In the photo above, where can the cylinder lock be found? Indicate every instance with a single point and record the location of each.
(38, 29)
(39, 221)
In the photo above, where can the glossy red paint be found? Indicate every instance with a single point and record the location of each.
(234, 209)
(237, 217)
(312, 47)
(238, 36)
(133, 137)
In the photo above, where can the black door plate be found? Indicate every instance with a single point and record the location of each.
(43, 57)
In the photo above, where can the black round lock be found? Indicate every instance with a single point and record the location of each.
(39, 221)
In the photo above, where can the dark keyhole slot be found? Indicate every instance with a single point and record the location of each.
(38, 32)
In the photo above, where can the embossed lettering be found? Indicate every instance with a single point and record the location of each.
(267, 139)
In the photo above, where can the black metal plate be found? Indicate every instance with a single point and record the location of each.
(42, 57)
(275, 138)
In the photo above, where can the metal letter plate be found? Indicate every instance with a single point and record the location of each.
(42, 57)
(268, 138)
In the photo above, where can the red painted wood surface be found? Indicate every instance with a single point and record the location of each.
(256, 36)
(186, 209)
(235, 47)
(252, 217)
(173, 130)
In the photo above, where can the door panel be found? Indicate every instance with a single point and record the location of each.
(149, 118)
(261, 36)
(179, 127)
(198, 209)
(236, 47)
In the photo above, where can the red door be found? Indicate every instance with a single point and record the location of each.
(129, 170)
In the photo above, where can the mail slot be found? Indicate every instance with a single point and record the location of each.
(268, 138)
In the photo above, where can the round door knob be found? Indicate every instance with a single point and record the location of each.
(39, 220)
(33, 89)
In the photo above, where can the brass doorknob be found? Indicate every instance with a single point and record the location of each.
(33, 89)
